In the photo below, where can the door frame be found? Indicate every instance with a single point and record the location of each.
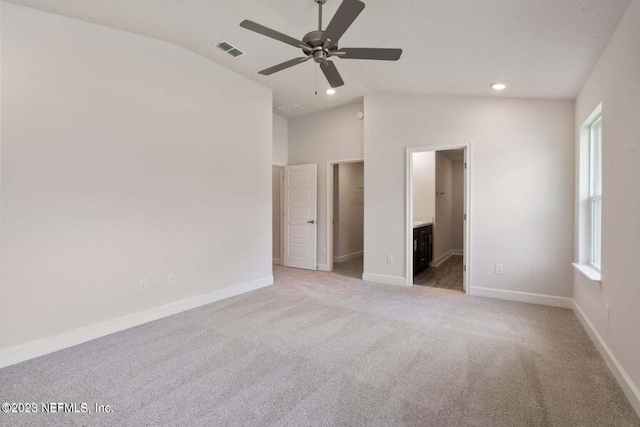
(467, 205)
(330, 165)
(281, 249)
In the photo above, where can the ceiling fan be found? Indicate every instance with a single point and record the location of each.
(321, 45)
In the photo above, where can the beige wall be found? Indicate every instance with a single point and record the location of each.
(350, 220)
(424, 186)
(457, 204)
(615, 82)
(522, 185)
(330, 135)
(280, 140)
(123, 158)
(443, 226)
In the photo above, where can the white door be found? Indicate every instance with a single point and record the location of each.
(300, 216)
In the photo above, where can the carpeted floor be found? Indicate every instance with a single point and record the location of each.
(352, 268)
(322, 349)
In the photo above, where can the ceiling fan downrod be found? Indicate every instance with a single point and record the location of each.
(320, 3)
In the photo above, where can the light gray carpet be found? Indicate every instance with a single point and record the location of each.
(352, 268)
(323, 349)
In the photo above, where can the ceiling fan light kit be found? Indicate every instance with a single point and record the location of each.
(321, 45)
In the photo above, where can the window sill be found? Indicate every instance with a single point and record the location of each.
(587, 271)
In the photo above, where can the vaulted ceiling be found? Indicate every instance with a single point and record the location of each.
(539, 48)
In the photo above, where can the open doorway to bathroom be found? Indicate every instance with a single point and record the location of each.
(438, 186)
(346, 210)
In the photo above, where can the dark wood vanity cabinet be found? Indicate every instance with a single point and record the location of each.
(422, 248)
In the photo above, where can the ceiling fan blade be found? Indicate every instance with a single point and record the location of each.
(261, 29)
(369, 53)
(283, 66)
(331, 73)
(342, 20)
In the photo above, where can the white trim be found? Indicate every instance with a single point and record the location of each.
(323, 267)
(281, 165)
(330, 164)
(467, 146)
(590, 273)
(48, 345)
(276, 261)
(526, 297)
(387, 280)
(628, 387)
(446, 256)
(348, 257)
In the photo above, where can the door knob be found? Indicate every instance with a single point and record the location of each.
(313, 221)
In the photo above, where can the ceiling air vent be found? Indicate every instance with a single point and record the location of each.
(290, 109)
(235, 52)
(228, 49)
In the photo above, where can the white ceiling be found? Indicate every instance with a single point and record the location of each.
(539, 48)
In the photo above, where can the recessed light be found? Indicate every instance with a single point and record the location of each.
(498, 86)
(331, 91)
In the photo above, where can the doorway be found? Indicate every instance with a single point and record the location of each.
(438, 188)
(345, 197)
(277, 213)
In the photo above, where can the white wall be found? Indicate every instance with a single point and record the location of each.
(331, 135)
(350, 221)
(615, 82)
(280, 139)
(123, 158)
(522, 166)
(443, 226)
(457, 192)
(424, 186)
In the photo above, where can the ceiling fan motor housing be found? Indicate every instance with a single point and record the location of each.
(316, 46)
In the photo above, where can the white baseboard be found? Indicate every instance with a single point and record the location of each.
(525, 297)
(628, 387)
(276, 261)
(444, 257)
(44, 346)
(347, 257)
(323, 267)
(387, 280)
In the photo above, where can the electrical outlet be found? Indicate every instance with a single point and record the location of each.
(389, 259)
(144, 284)
(608, 313)
(171, 279)
(499, 269)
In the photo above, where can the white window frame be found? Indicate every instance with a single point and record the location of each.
(595, 191)
(588, 196)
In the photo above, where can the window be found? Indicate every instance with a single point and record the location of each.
(595, 192)
(588, 260)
